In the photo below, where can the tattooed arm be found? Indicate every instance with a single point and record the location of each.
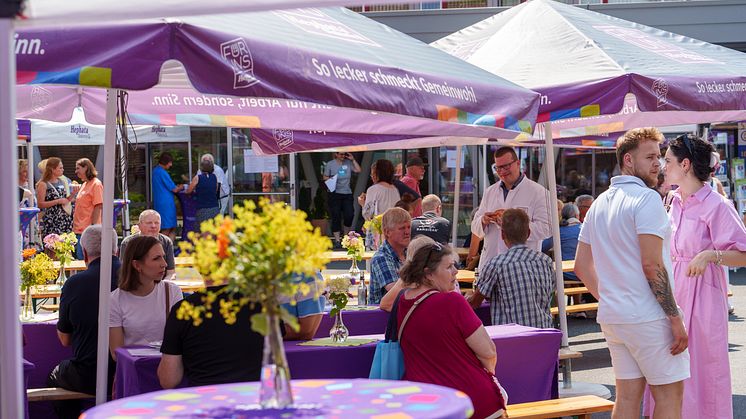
(651, 247)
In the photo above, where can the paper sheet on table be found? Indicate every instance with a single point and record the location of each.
(144, 352)
(331, 183)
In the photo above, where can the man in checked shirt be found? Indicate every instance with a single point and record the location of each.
(518, 282)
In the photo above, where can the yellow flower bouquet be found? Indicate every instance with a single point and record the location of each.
(258, 256)
(36, 269)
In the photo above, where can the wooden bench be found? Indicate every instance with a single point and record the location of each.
(54, 393)
(567, 353)
(581, 406)
(576, 308)
(50, 307)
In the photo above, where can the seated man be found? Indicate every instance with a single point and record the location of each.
(308, 309)
(78, 324)
(213, 352)
(431, 223)
(150, 225)
(519, 282)
(385, 264)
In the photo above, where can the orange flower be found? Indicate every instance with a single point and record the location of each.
(28, 253)
(223, 240)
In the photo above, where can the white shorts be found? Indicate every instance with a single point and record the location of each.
(644, 350)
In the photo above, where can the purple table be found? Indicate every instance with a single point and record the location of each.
(44, 350)
(373, 322)
(526, 363)
(188, 213)
(315, 398)
(27, 369)
(119, 205)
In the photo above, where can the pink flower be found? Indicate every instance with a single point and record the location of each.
(51, 240)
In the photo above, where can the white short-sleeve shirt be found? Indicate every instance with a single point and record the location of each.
(142, 318)
(611, 227)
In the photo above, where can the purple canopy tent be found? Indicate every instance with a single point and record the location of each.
(329, 57)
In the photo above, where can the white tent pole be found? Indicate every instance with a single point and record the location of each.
(11, 384)
(556, 244)
(102, 357)
(483, 171)
(456, 193)
(229, 169)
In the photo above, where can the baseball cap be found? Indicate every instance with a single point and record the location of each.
(415, 161)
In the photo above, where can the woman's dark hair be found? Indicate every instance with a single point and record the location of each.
(165, 158)
(698, 151)
(137, 248)
(426, 256)
(385, 171)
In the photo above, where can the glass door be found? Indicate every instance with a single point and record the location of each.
(255, 176)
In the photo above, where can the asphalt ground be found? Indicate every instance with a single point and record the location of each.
(595, 366)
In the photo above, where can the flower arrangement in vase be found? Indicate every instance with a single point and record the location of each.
(36, 269)
(337, 287)
(257, 256)
(353, 243)
(63, 246)
(373, 232)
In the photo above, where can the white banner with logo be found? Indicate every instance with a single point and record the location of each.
(54, 133)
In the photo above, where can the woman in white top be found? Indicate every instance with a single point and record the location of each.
(140, 305)
(383, 194)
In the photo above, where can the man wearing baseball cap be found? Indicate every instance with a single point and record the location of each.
(415, 173)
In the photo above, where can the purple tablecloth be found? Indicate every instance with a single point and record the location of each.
(28, 367)
(526, 363)
(373, 322)
(45, 351)
(317, 398)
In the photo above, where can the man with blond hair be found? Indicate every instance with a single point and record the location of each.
(431, 223)
(149, 224)
(621, 259)
(385, 264)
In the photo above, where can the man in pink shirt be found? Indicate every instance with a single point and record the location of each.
(415, 173)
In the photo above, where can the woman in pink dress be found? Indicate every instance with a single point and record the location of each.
(707, 234)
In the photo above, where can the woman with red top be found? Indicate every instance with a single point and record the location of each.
(444, 342)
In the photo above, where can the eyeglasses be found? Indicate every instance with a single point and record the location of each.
(504, 167)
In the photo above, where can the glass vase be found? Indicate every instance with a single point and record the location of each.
(27, 311)
(61, 278)
(274, 391)
(354, 272)
(338, 332)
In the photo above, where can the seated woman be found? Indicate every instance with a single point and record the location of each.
(141, 304)
(443, 341)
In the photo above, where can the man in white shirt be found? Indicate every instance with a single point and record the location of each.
(620, 258)
(225, 188)
(514, 190)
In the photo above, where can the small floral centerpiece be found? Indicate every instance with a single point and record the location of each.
(258, 256)
(36, 269)
(63, 247)
(338, 286)
(373, 232)
(355, 247)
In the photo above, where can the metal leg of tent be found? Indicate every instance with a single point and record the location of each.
(110, 144)
(456, 198)
(11, 384)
